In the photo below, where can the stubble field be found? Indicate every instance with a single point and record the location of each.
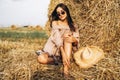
(18, 60)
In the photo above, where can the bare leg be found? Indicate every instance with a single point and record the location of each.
(66, 55)
(68, 51)
(45, 59)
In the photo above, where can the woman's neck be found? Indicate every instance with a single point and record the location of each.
(63, 22)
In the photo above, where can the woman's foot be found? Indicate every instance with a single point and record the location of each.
(66, 76)
(39, 52)
(66, 73)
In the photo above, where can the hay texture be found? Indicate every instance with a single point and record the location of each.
(98, 21)
(99, 25)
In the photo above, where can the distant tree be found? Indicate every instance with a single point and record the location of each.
(26, 26)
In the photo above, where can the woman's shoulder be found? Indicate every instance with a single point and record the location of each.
(54, 23)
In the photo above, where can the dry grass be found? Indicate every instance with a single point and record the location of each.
(99, 25)
(98, 21)
(18, 62)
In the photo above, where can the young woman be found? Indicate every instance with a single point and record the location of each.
(64, 38)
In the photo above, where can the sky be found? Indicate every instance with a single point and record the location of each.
(23, 12)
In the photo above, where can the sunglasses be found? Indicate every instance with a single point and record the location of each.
(61, 13)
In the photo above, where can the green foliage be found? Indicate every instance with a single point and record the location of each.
(22, 35)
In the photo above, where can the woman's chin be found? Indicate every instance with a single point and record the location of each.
(62, 19)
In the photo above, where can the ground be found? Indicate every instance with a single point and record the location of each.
(18, 61)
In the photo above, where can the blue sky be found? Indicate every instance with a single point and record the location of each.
(23, 12)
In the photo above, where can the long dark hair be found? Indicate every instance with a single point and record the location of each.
(54, 16)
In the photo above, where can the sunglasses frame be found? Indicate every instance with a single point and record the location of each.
(60, 13)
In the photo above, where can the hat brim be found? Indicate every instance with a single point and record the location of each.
(97, 54)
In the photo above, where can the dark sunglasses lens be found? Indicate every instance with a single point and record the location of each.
(62, 12)
(58, 14)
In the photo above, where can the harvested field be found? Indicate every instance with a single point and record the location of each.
(18, 62)
(99, 25)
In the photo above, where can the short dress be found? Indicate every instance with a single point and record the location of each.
(55, 41)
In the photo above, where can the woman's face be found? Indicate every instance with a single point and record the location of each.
(61, 13)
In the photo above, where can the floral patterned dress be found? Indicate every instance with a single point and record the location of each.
(55, 41)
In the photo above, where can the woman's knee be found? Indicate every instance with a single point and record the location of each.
(43, 58)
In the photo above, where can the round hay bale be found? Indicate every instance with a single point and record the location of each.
(86, 57)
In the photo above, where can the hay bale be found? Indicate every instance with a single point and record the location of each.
(98, 21)
(38, 27)
(13, 27)
(99, 25)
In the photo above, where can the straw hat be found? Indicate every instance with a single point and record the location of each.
(86, 57)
